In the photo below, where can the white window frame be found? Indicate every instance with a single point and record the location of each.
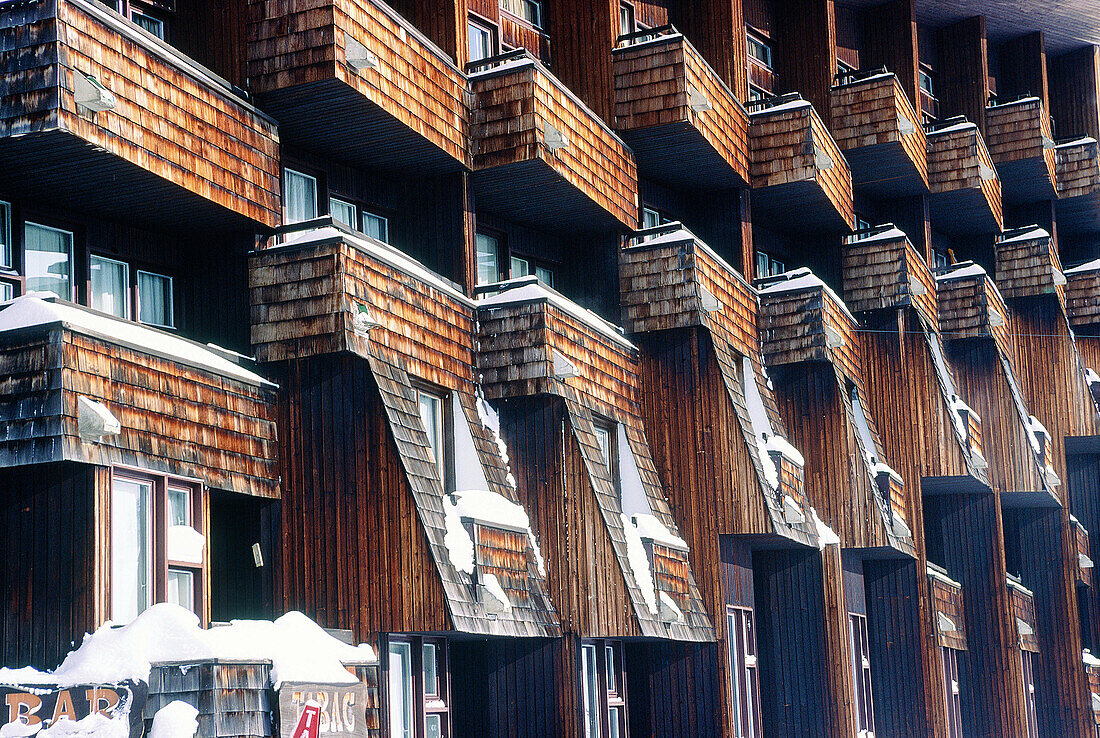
(71, 256)
(127, 307)
(171, 299)
(287, 174)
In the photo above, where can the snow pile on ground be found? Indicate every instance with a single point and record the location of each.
(175, 720)
(94, 725)
(298, 648)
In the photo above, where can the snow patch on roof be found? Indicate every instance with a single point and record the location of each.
(951, 129)
(825, 535)
(93, 725)
(508, 66)
(962, 270)
(802, 279)
(793, 105)
(632, 494)
(1089, 266)
(1089, 659)
(783, 446)
(485, 507)
(1083, 141)
(1091, 377)
(936, 573)
(887, 235)
(639, 563)
(43, 308)
(298, 648)
(1028, 235)
(648, 526)
(529, 289)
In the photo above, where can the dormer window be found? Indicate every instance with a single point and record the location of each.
(434, 421)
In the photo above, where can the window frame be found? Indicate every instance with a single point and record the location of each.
(1027, 664)
(160, 564)
(444, 430)
(491, 30)
(862, 685)
(627, 16)
(949, 658)
(752, 37)
(71, 232)
(422, 703)
(128, 291)
(318, 193)
(171, 298)
(744, 674)
(772, 266)
(504, 6)
(7, 244)
(611, 700)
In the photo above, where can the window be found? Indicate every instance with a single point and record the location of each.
(603, 689)
(759, 50)
(744, 679)
(767, 265)
(519, 267)
(626, 19)
(110, 285)
(861, 675)
(418, 687)
(926, 82)
(5, 235)
(545, 275)
(299, 196)
(153, 25)
(488, 259)
(605, 439)
(1028, 660)
(49, 260)
(432, 416)
(757, 93)
(156, 302)
(952, 702)
(376, 226)
(522, 266)
(343, 212)
(157, 544)
(528, 10)
(483, 42)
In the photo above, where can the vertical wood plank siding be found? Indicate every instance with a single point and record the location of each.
(594, 175)
(53, 521)
(653, 86)
(178, 141)
(867, 118)
(414, 100)
(963, 70)
(1078, 178)
(1075, 92)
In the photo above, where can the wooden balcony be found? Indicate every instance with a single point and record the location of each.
(102, 117)
(798, 168)
(970, 306)
(1083, 295)
(949, 611)
(85, 387)
(541, 157)
(1084, 560)
(1023, 608)
(533, 337)
(685, 126)
(878, 130)
(354, 79)
(1028, 265)
(803, 320)
(966, 193)
(1077, 165)
(883, 271)
(1020, 143)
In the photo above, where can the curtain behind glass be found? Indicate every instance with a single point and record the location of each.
(155, 299)
(110, 286)
(300, 196)
(49, 260)
(131, 562)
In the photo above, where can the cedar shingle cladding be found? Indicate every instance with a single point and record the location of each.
(175, 418)
(408, 113)
(178, 147)
(590, 183)
(517, 343)
(1083, 297)
(812, 343)
(1078, 178)
(662, 287)
(673, 142)
(1020, 143)
(966, 193)
(426, 335)
(947, 598)
(1028, 266)
(878, 130)
(887, 272)
(789, 142)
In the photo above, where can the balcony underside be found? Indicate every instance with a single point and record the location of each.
(886, 169)
(1026, 180)
(56, 167)
(964, 211)
(1079, 215)
(680, 156)
(532, 193)
(338, 120)
(802, 206)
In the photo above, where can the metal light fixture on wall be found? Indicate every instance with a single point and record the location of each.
(90, 94)
(358, 56)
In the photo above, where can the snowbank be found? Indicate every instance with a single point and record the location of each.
(639, 564)
(298, 648)
(175, 720)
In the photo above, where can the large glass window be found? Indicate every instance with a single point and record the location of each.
(131, 548)
(590, 691)
(157, 544)
(156, 302)
(952, 701)
(110, 286)
(626, 19)
(1028, 660)
(483, 43)
(299, 196)
(401, 690)
(861, 675)
(418, 687)
(49, 260)
(744, 679)
(528, 10)
(603, 689)
(488, 259)
(759, 50)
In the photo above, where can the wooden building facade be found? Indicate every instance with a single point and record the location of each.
(640, 368)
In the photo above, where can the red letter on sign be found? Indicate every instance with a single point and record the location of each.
(309, 723)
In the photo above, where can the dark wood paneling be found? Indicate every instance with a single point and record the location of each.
(890, 31)
(714, 27)
(1075, 92)
(962, 69)
(1024, 69)
(673, 689)
(54, 585)
(805, 53)
(1021, 144)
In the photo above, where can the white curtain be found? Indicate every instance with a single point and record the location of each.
(300, 196)
(155, 299)
(130, 555)
(110, 286)
(49, 254)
